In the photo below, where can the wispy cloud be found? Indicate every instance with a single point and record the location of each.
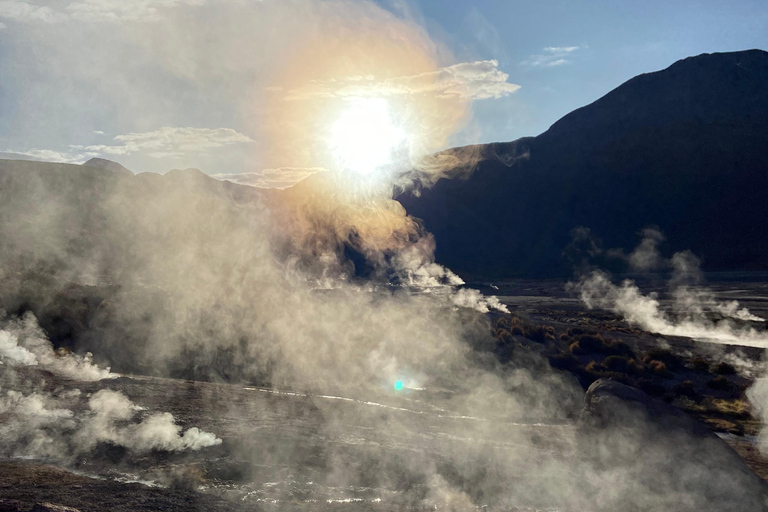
(561, 49)
(552, 56)
(91, 10)
(282, 177)
(477, 80)
(46, 155)
(25, 12)
(164, 142)
(169, 141)
(122, 10)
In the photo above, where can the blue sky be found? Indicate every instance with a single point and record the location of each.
(616, 40)
(157, 85)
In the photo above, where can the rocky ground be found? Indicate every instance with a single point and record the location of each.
(704, 379)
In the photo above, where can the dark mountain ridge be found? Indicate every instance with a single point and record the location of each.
(684, 149)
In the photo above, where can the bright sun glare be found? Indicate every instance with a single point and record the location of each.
(364, 136)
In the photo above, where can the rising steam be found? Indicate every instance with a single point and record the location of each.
(327, 292)
(694, 311)
(42, 424)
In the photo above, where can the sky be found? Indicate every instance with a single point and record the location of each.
(248, 89)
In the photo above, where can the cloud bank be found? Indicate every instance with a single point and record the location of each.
(479, 80)
(270, 178)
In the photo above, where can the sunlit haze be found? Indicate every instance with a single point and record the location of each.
(365, 136)
(383, 255)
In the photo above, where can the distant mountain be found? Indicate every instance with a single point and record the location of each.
(86, 247)
(684, 149)
(109, 165)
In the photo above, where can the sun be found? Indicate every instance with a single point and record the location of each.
(365, 136)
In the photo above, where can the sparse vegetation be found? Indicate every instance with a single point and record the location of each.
(710, 390)
(513, 325)
(724, 369)
(623, 364)
(699, 364)
(658, 368)
(671, 361)
(687, 389)
(585, 344)
(594, 371)
(720, 383)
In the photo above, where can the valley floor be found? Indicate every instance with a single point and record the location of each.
(298, 451)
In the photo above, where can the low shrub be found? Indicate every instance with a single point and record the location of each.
(515, 326)
(720, 383)
(594, 343)
(573, 332)
(699, 364)
(670, 360)
(724, 369)
(623, 364)
(686, 389)
(503, 336)
(658, 368)
(594, 370)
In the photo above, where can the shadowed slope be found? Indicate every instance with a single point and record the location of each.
(685, 149)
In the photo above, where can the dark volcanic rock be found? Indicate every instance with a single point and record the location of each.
(684, 149)
(661, 458)
(22, 484)
(13, 505)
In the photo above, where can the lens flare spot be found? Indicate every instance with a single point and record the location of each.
(398, 385)
(364, 136)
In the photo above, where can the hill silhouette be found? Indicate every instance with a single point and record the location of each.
(684, 149)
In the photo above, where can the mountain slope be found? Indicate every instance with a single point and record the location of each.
(684, 149)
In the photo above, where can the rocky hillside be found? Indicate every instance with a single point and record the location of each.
(684, 149)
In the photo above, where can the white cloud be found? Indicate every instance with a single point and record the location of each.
(561, 49)
(123, 10)
(553, 56)
(98, 132)
(25, 12)
(92, 10)
(477, 80)
(282, 177)
(47, 155)
(169, 141)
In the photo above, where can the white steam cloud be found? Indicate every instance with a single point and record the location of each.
(22, 342)
(645, 311)
(158, 431)
(694, 311)
(42, 424)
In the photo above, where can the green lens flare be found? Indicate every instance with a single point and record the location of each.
(398, 385)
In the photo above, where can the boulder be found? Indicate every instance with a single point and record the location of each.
(656, 457)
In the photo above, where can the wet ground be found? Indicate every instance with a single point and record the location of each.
(311, 451)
